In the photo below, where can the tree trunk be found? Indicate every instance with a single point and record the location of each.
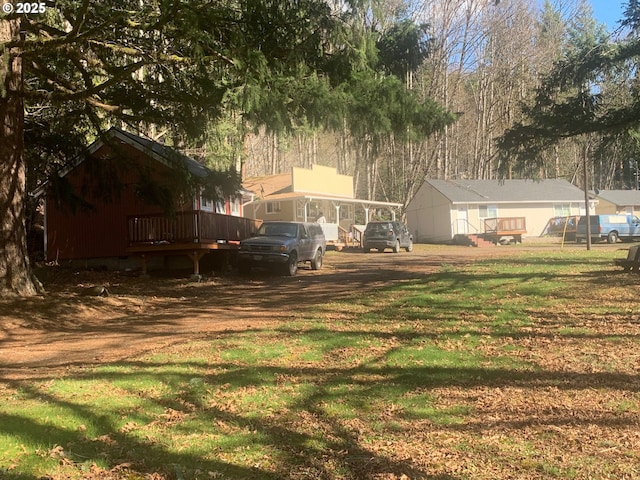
(15, 270)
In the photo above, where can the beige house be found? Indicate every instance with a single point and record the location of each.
(305, 195)
(623, 202)
(441, 210)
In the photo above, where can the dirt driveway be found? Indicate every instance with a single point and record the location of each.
(45, 336)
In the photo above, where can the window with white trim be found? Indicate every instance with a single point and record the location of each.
(235, 206)
(300, 208)
(562, 210)
(273, 207)
(487, 211)
(206, 205)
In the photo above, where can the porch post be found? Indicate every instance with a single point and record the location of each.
(337, 207)
(393, 214)
(143, 264)
(195, 257)
(366, 215)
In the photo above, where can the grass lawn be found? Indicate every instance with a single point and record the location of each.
(521, 367)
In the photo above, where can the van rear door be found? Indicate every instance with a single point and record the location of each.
(634, 226)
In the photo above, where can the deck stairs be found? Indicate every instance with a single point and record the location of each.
(473, 240)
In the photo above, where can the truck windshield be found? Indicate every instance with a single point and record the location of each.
(278, 230)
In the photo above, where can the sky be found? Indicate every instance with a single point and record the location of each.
(608, 11)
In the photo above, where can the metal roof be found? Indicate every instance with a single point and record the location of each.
(508, 191)
(157, 150)
(165, 155)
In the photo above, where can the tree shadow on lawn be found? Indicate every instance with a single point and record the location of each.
(326, 444)
(323, 446)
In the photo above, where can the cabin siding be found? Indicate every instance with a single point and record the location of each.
(103, 231)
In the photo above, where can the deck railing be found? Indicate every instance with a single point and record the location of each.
(505, 225)
(189, 227)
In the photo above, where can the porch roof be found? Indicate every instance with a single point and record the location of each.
(290, 196)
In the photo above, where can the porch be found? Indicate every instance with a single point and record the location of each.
(494, 231)
(340, 237)
(497, 228)
(193, 233)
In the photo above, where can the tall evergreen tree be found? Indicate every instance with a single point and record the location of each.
(170, 65)
(81, 65)
(576, 98)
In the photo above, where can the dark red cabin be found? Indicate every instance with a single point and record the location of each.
(120, 221)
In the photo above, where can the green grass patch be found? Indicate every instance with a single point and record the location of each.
(447, 370)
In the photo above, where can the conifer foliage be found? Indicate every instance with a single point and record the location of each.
(168, 68)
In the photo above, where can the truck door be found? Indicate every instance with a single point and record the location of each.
(304, 243)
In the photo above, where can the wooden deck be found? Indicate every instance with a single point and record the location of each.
(192, 233)
(496, 228)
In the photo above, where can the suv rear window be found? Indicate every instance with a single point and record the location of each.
(379, 227)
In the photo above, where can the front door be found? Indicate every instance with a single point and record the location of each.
(462, 220)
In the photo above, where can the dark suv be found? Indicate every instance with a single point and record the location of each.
(283, 244)
(381, 235)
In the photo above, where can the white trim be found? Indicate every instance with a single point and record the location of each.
(309, 198)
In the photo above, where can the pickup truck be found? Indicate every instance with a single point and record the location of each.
(283, 245)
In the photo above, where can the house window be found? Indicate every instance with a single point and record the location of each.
(273, 207)
(346, 212)
(487, 211)
(562, 210)
(235, 207)
(206, 205)
(300, 209)
(220, 207)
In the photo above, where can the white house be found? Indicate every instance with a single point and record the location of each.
(444, 209)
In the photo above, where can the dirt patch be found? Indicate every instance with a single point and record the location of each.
(67, 327)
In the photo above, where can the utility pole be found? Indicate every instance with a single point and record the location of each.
(585, 179)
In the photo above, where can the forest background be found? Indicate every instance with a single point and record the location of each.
(485, 61)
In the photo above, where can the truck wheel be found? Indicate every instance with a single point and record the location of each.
(291, 267)
(396, 247)
(410, 246)
(612, 237)
(316, 261)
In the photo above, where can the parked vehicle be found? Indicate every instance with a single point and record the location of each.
(283, 245)
(609, 227)
(383, 235)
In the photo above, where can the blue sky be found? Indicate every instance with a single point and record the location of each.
(608, 11)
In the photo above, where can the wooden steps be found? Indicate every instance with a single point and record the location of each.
(473, 240)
